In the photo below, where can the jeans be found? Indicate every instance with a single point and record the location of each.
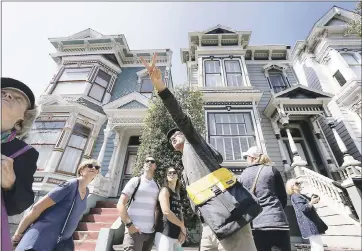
(268, 240)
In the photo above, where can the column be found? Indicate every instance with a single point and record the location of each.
(245, 70)
(298, 162)
(107, 133)
(348, 160)
(280, 144)
(115, 151)
(320, 142)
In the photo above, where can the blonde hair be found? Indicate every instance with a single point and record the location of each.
(86, 163)
(28, 121)
(264, 159)
(289, 186)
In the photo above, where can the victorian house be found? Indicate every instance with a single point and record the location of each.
(300, 105)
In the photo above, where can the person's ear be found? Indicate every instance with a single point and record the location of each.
(19, 125)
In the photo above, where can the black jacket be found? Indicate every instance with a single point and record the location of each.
(271, 196)
(21, 195)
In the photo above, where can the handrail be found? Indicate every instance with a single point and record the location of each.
(325, 187)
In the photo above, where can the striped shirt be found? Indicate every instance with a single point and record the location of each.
(142, 209)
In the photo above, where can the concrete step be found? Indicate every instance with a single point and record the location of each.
(104, 211)
(343, 230)
(105, 204)
(85, 245)
(120, 248)
(345, 241)
(105, 218)
(85, 235)
(92, 226)
(306, 247)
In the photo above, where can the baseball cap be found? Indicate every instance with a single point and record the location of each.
(171, 132)
(253, 151)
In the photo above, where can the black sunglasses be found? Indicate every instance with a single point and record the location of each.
(298, 183)
(152, 161)
(172, 173)
(90, 166)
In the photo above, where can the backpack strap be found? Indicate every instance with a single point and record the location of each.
(134, 192)
(253, 187)
(20, 152)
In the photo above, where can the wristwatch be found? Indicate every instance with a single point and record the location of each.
(129, 224)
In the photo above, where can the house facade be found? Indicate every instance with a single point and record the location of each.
(300, 105)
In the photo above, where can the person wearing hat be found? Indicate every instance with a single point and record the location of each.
(271, 227)
(199, 159)
(18, 160)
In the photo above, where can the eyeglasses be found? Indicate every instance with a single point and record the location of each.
(172, 173)
(90, 166)
(152, 161)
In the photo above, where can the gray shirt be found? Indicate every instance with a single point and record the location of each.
(271, 195)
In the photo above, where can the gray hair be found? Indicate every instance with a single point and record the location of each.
(28, 121)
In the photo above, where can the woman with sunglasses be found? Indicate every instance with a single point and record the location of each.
(51, 222)
(170, 229)
(310, 224)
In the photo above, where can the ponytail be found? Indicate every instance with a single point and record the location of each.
(264, 160)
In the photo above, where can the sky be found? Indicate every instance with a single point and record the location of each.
(26, 28)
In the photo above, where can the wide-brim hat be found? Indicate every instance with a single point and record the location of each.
(10, 83)
(171, 132)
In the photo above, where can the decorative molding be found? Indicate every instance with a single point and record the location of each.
(229, 103)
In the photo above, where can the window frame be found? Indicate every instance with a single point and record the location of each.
(285, 79)
(338, 80)
(250, 110)
(82, 150)
(95, 83)
(47, 144)
(223, 72)
(144, 93)
(74, 80)
(357, 59)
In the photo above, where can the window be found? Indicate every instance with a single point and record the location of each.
(353, 63)
(99, 86)
(339, 77)
(146, 87)
(43, 137)
(73, 152)
(75, 74)
(233, 73)
(213, 73)
(277, 81)
(72, 80)
(231, 134)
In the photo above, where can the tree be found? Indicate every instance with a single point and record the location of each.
(153, 140)
(355, 26)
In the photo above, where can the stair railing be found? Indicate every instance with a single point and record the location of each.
(349, 172)
(324, 187)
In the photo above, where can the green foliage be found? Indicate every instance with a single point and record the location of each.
(153, 140)
(355, 26)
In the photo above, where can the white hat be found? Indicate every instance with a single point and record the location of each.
(253, 151)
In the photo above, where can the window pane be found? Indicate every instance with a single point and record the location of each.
(357, 70)
(81, 129)
(232, 66)
(339, 77)
(48, 125)
(70, 88)
(97, 92)
(349, 58)
(213, 80)
(75, 74)
(131, 162)
(77, 141)
(102, 78)
(228, 149)
(45, 153)
(212, 66)
(70, 160)
(101, 82)
(43, 136)
(234, 79)
(146, 85)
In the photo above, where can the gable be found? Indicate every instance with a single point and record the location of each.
(219, 29)
(88, 33)
(133, 105)
(335, 22)
(302, 93)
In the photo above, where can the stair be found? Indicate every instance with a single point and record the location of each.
(102, 216)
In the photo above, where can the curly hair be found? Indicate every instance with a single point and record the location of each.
(28, 121)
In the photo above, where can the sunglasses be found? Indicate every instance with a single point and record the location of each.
(298, 183)
(172, 173)
(90, 166)
(152, 161)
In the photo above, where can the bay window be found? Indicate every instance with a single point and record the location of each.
(231, 133)
(72, 80)
(352, 62)
(73, 152)
(43, 136)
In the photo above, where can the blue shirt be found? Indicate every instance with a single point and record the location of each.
(43, 234)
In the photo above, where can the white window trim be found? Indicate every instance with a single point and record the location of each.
(254, 122)
(223, 71)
